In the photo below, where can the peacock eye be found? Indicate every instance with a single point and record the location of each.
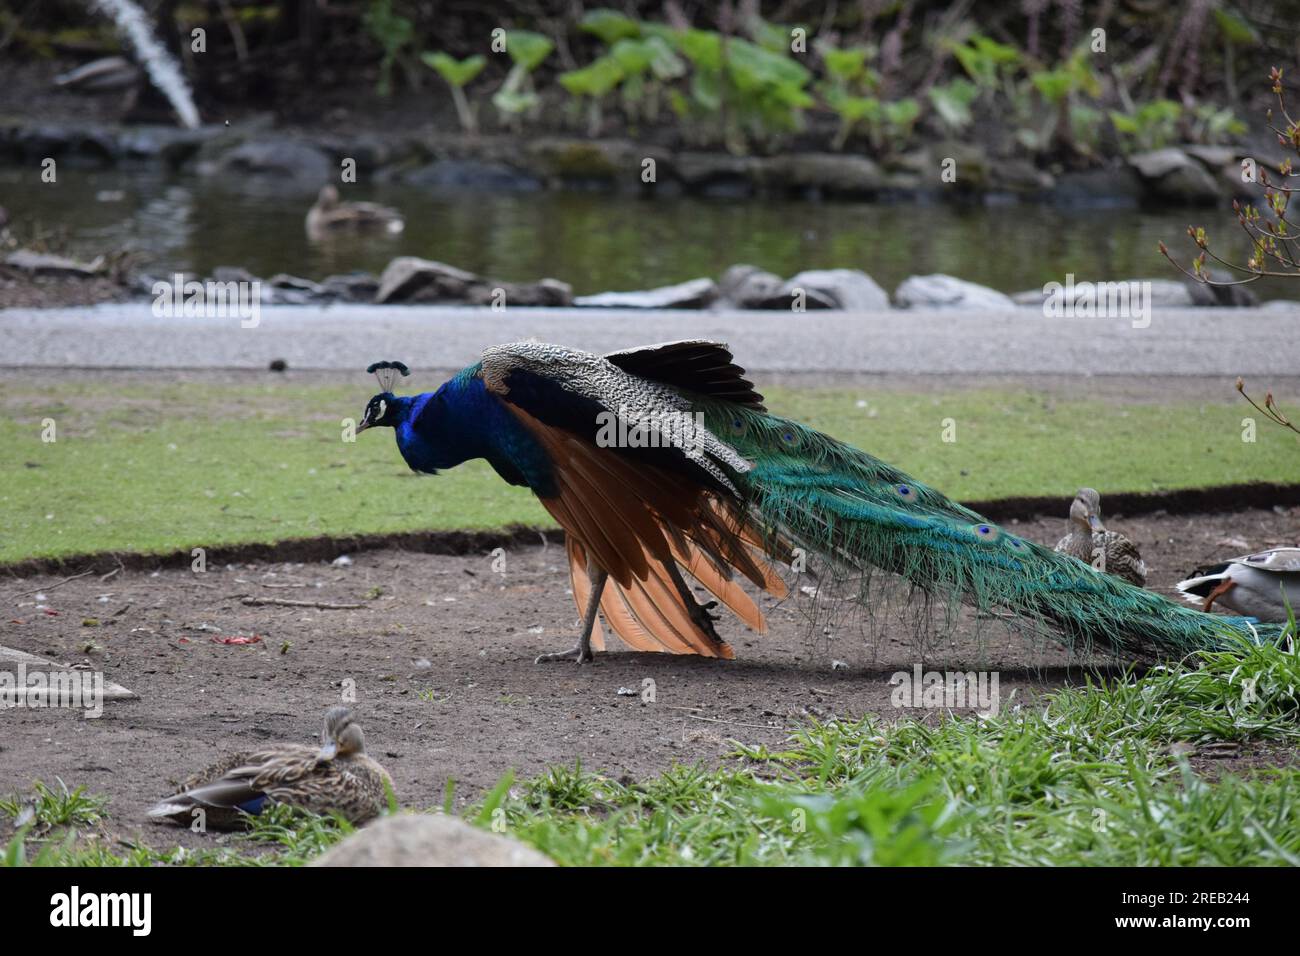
(736, 426)
(985, 532)
(906, 492)
(383, 408)
(789, 437)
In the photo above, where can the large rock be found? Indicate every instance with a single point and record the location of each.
(1165, 293)
(1205, 294)
(1173, 176)
(605, 164)
(551, 293)
(948, 292)
(829, 174)
(748, 287)
(1108, 186)
(847, 289)
(717, 174)
(412, 279)
(695, 294)
(352, 286)
(464, 174)
(272, 156)
(426, 839)
(44, 264)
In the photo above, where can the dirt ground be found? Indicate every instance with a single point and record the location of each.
(441, 658)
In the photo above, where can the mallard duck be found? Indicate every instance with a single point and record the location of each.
(336, 777)
(1090, 542)
(1257, 585)
(331, 215)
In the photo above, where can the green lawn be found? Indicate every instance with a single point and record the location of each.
(156, 468)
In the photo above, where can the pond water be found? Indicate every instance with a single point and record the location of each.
(597, 241)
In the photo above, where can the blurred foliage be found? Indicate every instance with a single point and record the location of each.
(879, 77)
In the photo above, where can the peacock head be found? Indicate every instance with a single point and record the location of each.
(1085, 510)
(341, 737)
(382, 409)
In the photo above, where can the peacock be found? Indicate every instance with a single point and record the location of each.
(662, 464)
(336, 777)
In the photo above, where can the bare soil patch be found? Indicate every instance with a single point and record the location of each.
(441, 657)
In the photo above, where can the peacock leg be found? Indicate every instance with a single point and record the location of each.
(699, 612)
(582, 653)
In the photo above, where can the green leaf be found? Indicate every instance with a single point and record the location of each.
(846, 64)
(514, 103)
(952, 102)
(701, 47)
(595, 79)
(528, 49)
(664, 62)
(632, 56)
(1234, 28)
(456, 72)
(610, 25)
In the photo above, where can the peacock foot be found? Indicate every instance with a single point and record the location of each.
(579, 655)
(700, 614)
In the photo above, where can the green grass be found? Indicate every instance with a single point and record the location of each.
(157, 468)
(1093, 775)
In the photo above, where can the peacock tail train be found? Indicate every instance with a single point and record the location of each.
(860, 513)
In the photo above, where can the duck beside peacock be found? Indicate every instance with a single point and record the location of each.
(736, 494)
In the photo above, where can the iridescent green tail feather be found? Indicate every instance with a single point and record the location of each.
(860, 513)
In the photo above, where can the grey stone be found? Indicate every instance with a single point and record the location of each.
(551, 293)
(831, 174)
(1235, 296)
(272, 156)
(947, 292)
(1173, 176)
(1108, 187)
(412, 279)
(847, 289)
(717, 174)
(352, 286)
(44, 264)
(1165, 293)
(465, 174)
(694, 294)
(426, 839)
(748, 286)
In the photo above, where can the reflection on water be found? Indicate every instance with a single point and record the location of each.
(594, 241)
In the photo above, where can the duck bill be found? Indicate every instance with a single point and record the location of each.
(1094, 522)
(328, 752)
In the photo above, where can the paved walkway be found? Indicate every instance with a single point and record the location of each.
(1019, 341)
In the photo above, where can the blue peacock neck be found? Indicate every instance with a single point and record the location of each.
(461, 421)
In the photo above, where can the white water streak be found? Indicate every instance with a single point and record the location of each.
(161, 66)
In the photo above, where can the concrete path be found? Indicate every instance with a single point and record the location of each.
(1015, 341)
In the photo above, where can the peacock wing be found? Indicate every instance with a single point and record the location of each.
(695, 365)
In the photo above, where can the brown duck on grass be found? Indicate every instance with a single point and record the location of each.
(336, 777)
